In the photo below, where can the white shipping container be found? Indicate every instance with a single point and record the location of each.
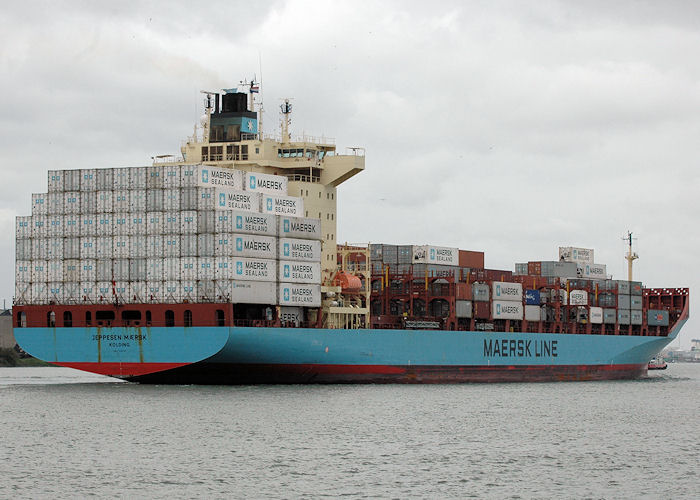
(154, 291)
(71, 202)
(40, 248)
(300, 227)
(137, 223)
(104, 179)
(154, 200)
(189, 175)
(55, 181)
(282, 205)
(154, 245)
(23, 249)
(137, 200)
(104, 225)
(223, 268)
(266, 183)
(253, 245)
(576, 254)
(23, 271)
(252, 292)
(88, 248)
(188, 245)
(171, 268)
(102, 292)
(206, 290)
(54, 270)
(171, 176)
(88, 179)
(23, 293)
(188, 268)
(428, 254)
(103, 270)
(154, 269)
(88, 225)
(223, 244)
(592, 271)
(596, 315)
(71, 180)
(502, 290)
(298, 249)
(188, 290)
(188, 222)
(171, 223)
(171, 199)
(71, 292)
(121, 290)
(188, 198)
(205, 245)
(138, 177)
(105, 202)
(206, 270)
(137, 247)
(578, 298)
(532, 313)
(223, 222)
(39, 293)
(170, 246)
(88, 202)
(40, 204)
(71, 226)
(250, 223)
(299, 272)
(23, 227)
(71, 270)
(237, 200)
(55, 292)
(171, 292)
(211, 177)
(121, 178)
(154, 178)
(506, 309)
(87, 270)
(121, 223)
(54, 248)
(54, 226)
(39, 226)
(121, 247)
(71, 248)
(138, 293)
(121, 201)
(54, 203)
(137, 270)
(294, 294)
(206, 221)
(243, 268)
(104, 246)
(120, 269)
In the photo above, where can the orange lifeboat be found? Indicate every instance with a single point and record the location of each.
(348, 282)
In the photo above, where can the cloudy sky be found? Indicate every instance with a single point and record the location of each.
(494, 126)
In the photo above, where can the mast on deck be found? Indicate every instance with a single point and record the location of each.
(631, 256)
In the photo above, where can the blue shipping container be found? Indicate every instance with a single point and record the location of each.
(532, 297)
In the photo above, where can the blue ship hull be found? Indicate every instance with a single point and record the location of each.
(241, 355)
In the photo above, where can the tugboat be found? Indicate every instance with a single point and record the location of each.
(657, 364)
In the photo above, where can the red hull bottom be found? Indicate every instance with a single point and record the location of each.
(237, 374)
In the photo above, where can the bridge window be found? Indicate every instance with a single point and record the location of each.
(67, 319)
(169, 318)
(51, 319)
(188, 317)
(220, 317)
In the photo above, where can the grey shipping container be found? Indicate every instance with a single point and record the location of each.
(623, 301)
(375, 251)
(623, 316)
(623, 287)
(636, 287)
(154, 200)
(636, 302)
(636, 317)
(609, 316)
(405, 254)
(463, 309)
(556, 269)
(390, 254)
(657, 317)
(480, 292)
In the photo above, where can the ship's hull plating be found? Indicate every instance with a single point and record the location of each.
(223, 355)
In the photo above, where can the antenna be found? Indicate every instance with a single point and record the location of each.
(631, 256)
(286, 108)
(207, 110)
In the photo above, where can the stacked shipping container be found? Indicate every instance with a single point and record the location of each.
(167, 234)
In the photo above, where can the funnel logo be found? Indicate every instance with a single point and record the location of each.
(269, 204)
(286, 249)
(239, 222)
(239, 244)
(205, 176)
(222, 199)
(239, 267)
(251, 183)
(286, 225)
(286, 294)
(432, 254)
(286, 270)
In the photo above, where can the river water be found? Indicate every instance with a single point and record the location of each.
(69, 434)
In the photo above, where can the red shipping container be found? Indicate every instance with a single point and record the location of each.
(471, 259)
(463, 291)
(534, 268)
(482, 310)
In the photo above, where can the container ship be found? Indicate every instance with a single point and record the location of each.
(221, 266)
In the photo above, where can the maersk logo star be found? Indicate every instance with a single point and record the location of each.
(286, 226)
(252, 182)
(205, 176)
(250, 125)
(222, 200)
(286, 294)
(286, 249)
(239, 267)
(269, 204)
(239, 222)
(239, 244)
(286, 270)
